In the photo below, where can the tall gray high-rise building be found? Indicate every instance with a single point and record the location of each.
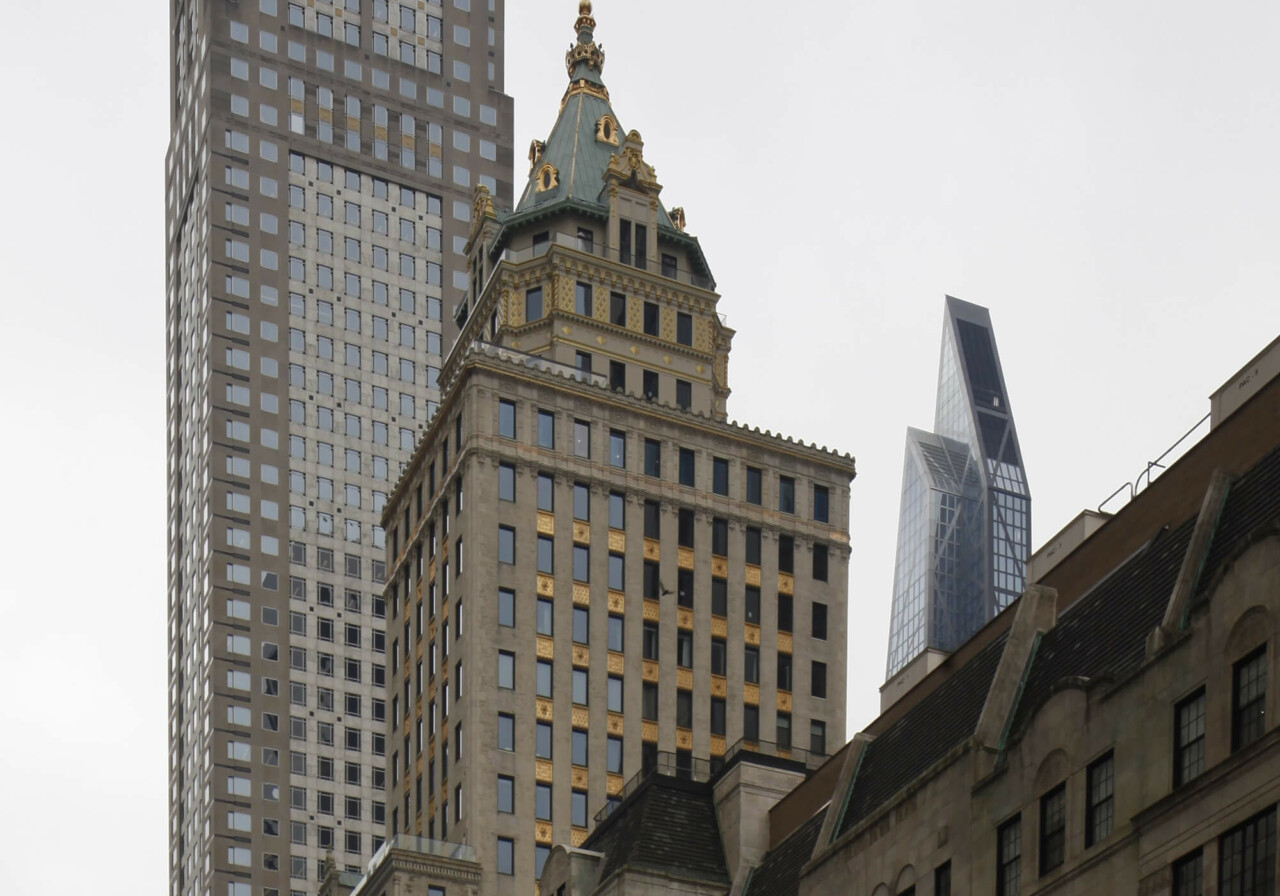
(318, 197)
(965, 524)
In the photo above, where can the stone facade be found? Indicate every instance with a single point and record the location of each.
(588, 565)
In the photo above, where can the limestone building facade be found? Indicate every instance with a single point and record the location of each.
(588, 565)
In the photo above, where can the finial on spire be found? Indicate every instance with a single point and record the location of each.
(585, 51)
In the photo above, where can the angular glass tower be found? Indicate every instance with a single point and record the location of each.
(964, 528)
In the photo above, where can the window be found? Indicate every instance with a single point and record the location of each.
(578, 747)
(686, 466)
(783, 737)
(578, 809)
(546, 430)
(613, 694)
(751, 604)
(718, 656)
(720, 540)
(717, 716)
(1248, 699)
(942, 880)
(1100, 811)
(820, 560)
(544, 617)
(650, 641)
(649, 384)
(616, 572)
(820, 512)
(651, 318)
(1247, 857)
(1188, 739)
(533, 304)
(1188, 875)
(506, 794)
(684, 649)
(542, 802)
(786, 494)
(1053, 828)
(1009, 857)
(581, 502)
(582, 298)
(684, 394)
(542, 740)
(786, 613)
(784, 671)
(720, 477)
(506, 482)
(818, 680)
(617, 309)
(786, 554)
(684, 588)
(506, 669)
(684, 709)
(818, 737)
(581, 625)
(719, 597)
(543, 678)
(652, 519)
(754, 488)
(684, 527)
(546, 554)
(546, 493)
(506, 607)
(820, 621)
(617, 629)
(751, 723)
(649, 701)
(506, 418)
(581, 439)
(617, 449)
(751, 665)
(506, 545)
(684, 327)
(506, 846)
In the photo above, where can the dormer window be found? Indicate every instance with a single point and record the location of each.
(548, 178)
(607, 130)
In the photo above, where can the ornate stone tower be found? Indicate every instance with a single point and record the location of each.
(592, 572)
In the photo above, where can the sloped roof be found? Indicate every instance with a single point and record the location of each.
(1100, 636)
(667, 825)
(572, 148)
(778, 873)
(923, 736)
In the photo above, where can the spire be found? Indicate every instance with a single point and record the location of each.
(584, 59)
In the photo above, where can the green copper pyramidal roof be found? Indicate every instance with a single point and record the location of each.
(585, 137)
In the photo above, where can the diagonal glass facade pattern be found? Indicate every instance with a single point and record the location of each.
(964, 526)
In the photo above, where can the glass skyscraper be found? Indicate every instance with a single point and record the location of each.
(964, 528)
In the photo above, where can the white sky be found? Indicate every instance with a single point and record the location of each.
(1102, 175)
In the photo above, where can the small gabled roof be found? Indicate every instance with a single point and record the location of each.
(778, 873)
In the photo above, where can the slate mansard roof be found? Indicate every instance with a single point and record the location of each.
(1100, 637)
(668, 825)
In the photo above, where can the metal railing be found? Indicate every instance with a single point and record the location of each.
(810, 760)
(1153, 468)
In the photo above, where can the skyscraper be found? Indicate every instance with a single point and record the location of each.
(591, 571)
(964, 528)
(318, 181)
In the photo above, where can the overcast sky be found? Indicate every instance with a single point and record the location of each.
(1102, 175)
